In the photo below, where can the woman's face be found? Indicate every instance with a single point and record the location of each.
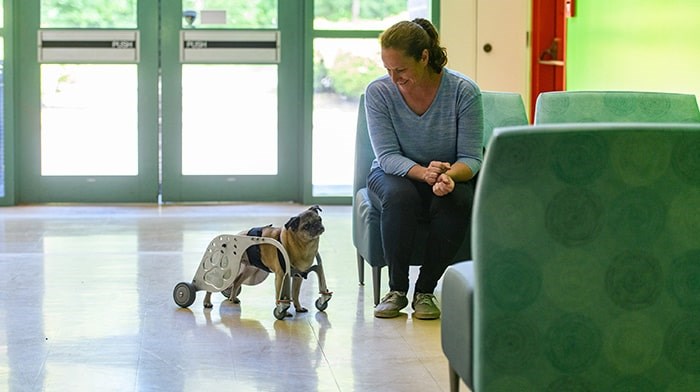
(404, 71)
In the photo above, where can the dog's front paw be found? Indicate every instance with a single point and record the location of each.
(301, 309)
(207, 301)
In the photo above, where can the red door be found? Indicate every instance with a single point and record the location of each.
(548, 47)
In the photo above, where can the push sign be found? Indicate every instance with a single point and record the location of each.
(124, 44)
(230, 46)
(88, 46)
(196, 44)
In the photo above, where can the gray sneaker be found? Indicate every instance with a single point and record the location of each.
(391, 304)
(424, 307)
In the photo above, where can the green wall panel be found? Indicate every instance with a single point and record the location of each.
(647, 45)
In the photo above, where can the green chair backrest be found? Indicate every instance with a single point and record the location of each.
(587, 259)
(615, 106)
(364, 155)
(502, 109)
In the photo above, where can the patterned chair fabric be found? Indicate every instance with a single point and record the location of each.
(586, 262)
(500, 109)
(615, 106)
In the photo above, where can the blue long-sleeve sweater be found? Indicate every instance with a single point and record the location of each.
(449, 131)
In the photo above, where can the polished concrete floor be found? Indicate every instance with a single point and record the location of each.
(86, 305)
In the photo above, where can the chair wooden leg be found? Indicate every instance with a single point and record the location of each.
(376, 283)
(454, 380)
(361, 269)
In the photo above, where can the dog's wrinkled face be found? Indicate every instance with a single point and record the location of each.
(308, 225)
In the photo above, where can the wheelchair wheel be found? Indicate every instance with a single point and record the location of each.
(184, 294)
(280, 311)
(322, 304)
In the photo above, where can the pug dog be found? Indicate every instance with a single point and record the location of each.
(300, 237)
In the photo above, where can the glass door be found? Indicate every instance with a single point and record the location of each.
(231, 113)
(89, 108)
(129, 100)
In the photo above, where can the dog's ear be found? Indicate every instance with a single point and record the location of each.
(315, 208)
(292, 223)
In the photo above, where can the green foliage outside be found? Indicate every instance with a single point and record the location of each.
(240, 13)
(244, 14)
(350, 10)
(88, 13)
(348, 76)
(351, 74)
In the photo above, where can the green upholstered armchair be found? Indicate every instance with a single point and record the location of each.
(586, 262)
(500, 109)
(615, 106)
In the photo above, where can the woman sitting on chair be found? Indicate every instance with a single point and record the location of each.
(425, 124)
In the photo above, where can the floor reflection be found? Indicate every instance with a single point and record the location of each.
(86, 304)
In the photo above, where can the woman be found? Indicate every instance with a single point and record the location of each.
(425, 124)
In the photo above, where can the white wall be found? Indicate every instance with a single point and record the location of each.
(466, 25)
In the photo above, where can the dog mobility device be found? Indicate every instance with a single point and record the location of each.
(221, 264)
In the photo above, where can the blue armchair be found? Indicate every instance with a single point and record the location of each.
(500, 109)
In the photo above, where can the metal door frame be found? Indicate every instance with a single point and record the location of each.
(156, 147)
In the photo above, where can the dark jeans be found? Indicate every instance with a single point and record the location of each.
(403, 204)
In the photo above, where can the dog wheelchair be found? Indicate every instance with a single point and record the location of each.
(221, 264)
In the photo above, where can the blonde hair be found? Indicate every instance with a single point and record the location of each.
(412, 37)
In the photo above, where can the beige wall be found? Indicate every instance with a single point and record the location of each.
(458, 32)
(463, 34)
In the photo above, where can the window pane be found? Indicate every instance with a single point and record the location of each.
(239, 14)
(229, 119)
(342, 70)
(88, 14)
(89, 123)
(366, 15)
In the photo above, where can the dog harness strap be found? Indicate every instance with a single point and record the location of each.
(253, 252)
(302, 274)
